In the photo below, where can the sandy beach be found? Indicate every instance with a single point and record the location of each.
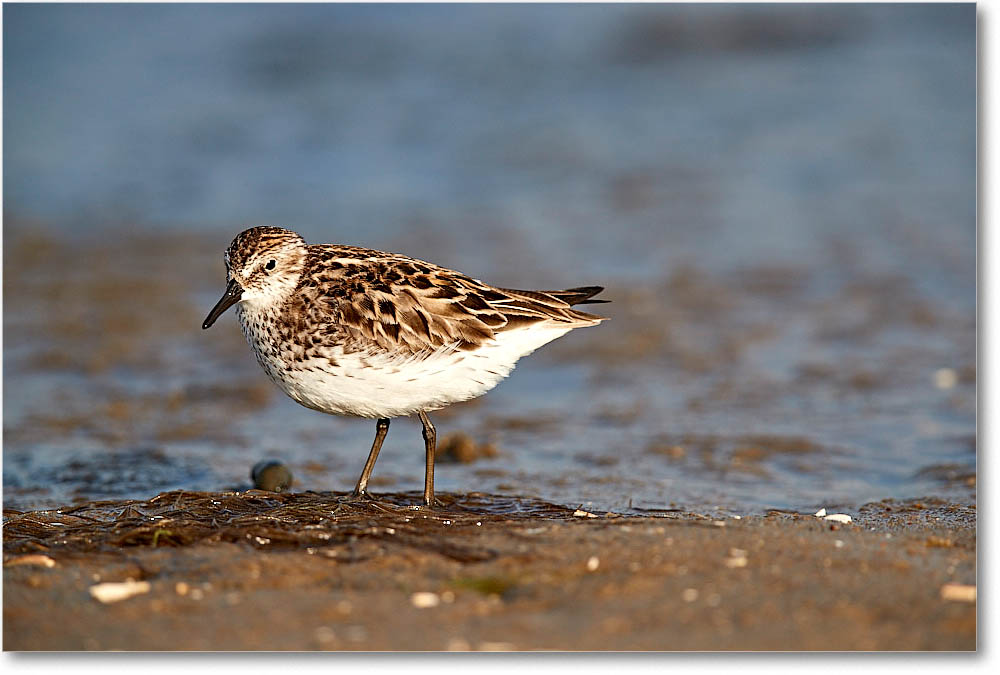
(261, 571)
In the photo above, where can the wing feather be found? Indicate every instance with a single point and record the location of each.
(405, 304)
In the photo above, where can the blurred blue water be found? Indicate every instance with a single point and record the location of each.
(544, 145)
(355, 122)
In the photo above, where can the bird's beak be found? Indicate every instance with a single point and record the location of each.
(232, 295)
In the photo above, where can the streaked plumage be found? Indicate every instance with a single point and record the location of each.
(355, 331)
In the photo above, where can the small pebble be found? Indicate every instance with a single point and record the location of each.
(945, 378)
(737, 558)
(689, 594)
(958, 592)
(593, 563)
(271, 475)
(324, 634)
(424, 600)
(496, 647)
(460, 447)
(116, 591)
(34, 559)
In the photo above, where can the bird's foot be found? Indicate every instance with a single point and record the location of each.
(359, 496)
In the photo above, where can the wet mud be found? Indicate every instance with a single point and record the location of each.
(258, 570)
(742, 390)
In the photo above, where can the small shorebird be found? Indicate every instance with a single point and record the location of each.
(352, 331)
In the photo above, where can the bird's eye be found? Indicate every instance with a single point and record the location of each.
(270, 265)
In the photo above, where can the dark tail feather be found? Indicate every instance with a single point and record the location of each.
(579, 296)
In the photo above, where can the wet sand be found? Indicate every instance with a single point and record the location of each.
(745, 390)
(311, 571)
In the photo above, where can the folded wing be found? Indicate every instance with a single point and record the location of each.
(411, 305)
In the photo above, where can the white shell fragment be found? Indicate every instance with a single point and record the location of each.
(836, 517)
(580, 513)
(958, 592)
(496, 647)
(112, 591)
(34, 559)
(737, 558)
(945, 378)
(424, 600)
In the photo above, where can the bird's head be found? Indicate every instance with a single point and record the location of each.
(263, 266)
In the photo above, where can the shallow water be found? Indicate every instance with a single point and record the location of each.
(780, 201)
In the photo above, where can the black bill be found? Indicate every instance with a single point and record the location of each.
(229, 298)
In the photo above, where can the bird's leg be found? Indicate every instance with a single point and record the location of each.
(430, 441)
(381, 429)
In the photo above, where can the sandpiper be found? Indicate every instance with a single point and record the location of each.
(354, 331)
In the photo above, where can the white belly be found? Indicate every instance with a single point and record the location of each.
(382, 385)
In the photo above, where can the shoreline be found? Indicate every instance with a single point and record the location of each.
(310, 571)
